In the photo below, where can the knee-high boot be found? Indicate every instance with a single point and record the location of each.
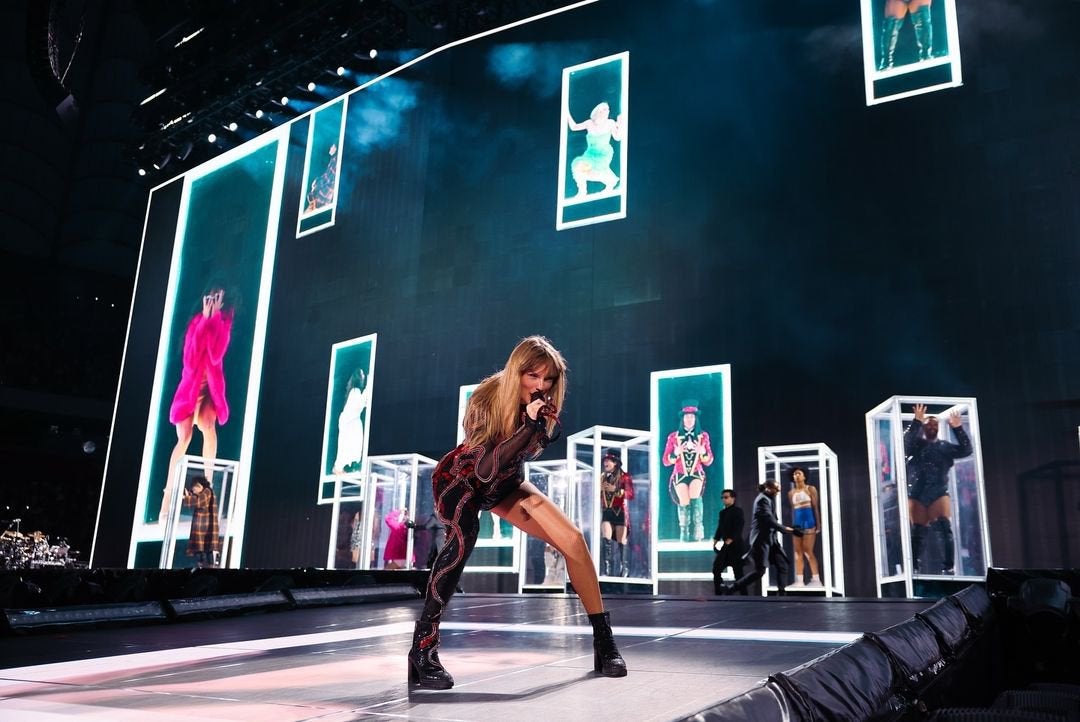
(425, 669)
(697, 509)
(924, 32)
(684, 523)
(918, 533)
(606, 658)
(943, 527)
(890, 33)
(622, 565)
(606, 552)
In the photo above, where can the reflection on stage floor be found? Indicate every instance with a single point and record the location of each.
(514, 657)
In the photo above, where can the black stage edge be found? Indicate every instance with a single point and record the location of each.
(52, 597)
(1001, 652)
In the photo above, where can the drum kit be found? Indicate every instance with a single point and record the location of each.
(33, 550)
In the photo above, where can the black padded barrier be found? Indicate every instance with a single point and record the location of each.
(976, 605)
(950, 624)
(848, 684)
(913, 648)
(766, 702)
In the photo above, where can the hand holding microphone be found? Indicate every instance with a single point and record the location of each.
(541, 405)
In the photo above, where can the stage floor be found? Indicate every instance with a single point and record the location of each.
(514, 658)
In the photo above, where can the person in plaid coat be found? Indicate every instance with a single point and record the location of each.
(203, 540)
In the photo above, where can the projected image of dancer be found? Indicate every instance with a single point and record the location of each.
(595, 163)
(928, 462)
(921, 23)
(350, 439)
(200, 400)
(688, 451)
(510, 419)
(616, 490)
(324, 185)
(805, 514)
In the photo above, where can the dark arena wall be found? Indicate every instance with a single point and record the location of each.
(834, 254)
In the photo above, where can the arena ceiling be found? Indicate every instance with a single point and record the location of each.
(77, 125)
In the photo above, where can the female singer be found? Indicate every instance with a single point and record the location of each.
(509, 419)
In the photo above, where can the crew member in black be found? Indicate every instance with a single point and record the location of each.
(765, 546)
(728, 541)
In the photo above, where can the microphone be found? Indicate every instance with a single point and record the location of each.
(548, 409)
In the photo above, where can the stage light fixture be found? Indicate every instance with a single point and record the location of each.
(340, 70)
(83, 614)
(185, 150)
(212, 138)
(227, 603)
(311, 87)
(351, 595)
(373, 53)
(151, 97)
(284, 100)
(233, 126)
(142, 171)
(259, 114)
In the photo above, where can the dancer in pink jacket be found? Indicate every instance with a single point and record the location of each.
(200, 400)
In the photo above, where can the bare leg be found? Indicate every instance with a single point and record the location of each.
(682, 493)
(580, 171)
(206, 420)
(609, 179)
(797, 543)
(808, 549)
(183, 440)
(536, 515)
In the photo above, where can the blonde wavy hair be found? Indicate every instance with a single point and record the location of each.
(494, 408)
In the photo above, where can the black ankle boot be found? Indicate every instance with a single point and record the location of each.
(425, 669)
(606, 658)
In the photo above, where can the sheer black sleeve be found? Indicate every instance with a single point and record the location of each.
(506, 456)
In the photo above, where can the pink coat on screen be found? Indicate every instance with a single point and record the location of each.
(398, 543)
(204, 350)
